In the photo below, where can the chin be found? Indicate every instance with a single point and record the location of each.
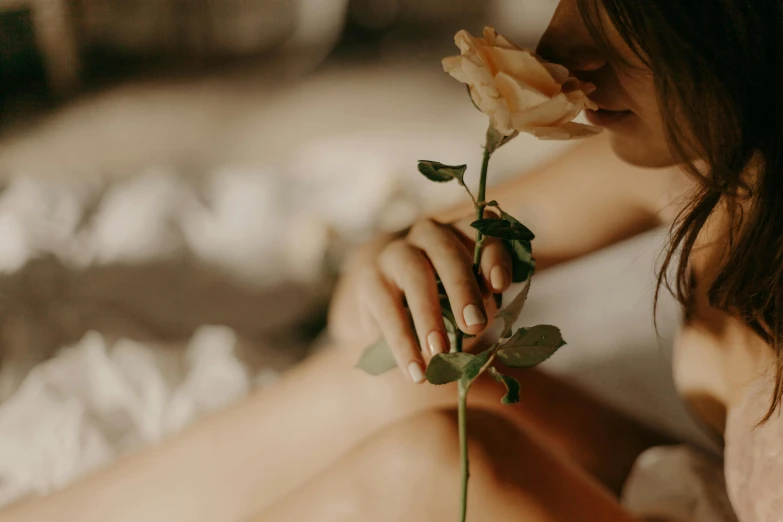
(642, 151)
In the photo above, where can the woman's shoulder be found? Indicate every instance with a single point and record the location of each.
(754, 455)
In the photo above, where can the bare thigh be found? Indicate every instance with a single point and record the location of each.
(238, 462)
(410, 472)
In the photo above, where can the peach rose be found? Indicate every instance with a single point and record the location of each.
(519, 91)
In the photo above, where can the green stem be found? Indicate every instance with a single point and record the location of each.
(463, 387)
(463, 446)
(480, 206)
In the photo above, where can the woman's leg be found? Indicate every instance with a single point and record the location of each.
(410, 472)
(239, 461)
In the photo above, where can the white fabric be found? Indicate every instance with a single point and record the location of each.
(96, 400)
(106, 395)
(678, 484)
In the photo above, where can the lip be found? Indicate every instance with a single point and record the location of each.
(606, 118)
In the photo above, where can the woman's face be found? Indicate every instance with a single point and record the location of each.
(628, 108)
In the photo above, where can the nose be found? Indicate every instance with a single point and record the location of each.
(567, 41)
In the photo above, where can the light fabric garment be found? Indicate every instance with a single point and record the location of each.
(678, 484)
(99, 399)
(683, 484)
(754, 456)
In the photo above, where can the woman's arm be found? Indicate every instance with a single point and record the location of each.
(585, 200)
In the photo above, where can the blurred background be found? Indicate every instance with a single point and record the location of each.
(181, 179)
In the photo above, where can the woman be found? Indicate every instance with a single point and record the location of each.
(684, 87)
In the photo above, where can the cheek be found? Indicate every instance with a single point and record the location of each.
(641, 150)
(643, 141)
(643, 101)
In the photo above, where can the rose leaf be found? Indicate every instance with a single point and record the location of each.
(511, 384)
(442, 173)
(377, 359)
(447, 367)
(473, 369)
(529, 347)
(522, 262)
(503, 229)
(510, 314)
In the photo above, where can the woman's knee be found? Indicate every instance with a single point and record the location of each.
(426, 445)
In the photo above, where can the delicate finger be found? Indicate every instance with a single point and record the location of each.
(496, 265)
(385, 304)
(453, 263)
(410, 270)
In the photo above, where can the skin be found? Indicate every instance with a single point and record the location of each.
(624, 84)
(331, 444)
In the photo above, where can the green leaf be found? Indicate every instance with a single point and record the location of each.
(377, 359)
(529, 347)
(503, 229)
(522, 262)
(447, 367)
(448, 315)
(451, 328)
(440, 172)
(473, 369)
(511, 384)
(450, 323)
(441, 290)
(509, 217)
(510, 314)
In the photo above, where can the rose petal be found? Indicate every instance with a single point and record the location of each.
(574, 84)
(490, 35)
(579, 102)
(479, 76)
(567, 131)
(519, 96)
(522, 66)
(495, 108)
(465, 41)
(558, 72)
(567, 116)
(501, 122)
(580, 99)
(518, 90)
(547, 114)
(501, 41)
(453, 66)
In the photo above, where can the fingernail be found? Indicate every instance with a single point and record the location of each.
(498, 277)
(436, 342)
(472, 315)
(417, 374)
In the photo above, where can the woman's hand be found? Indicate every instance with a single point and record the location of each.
(391, 272)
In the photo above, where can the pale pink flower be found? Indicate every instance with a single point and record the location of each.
(519, 91)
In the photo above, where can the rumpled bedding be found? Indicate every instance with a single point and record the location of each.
(131, 306)
(97, 399)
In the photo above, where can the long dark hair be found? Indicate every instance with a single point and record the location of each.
(717, 68)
